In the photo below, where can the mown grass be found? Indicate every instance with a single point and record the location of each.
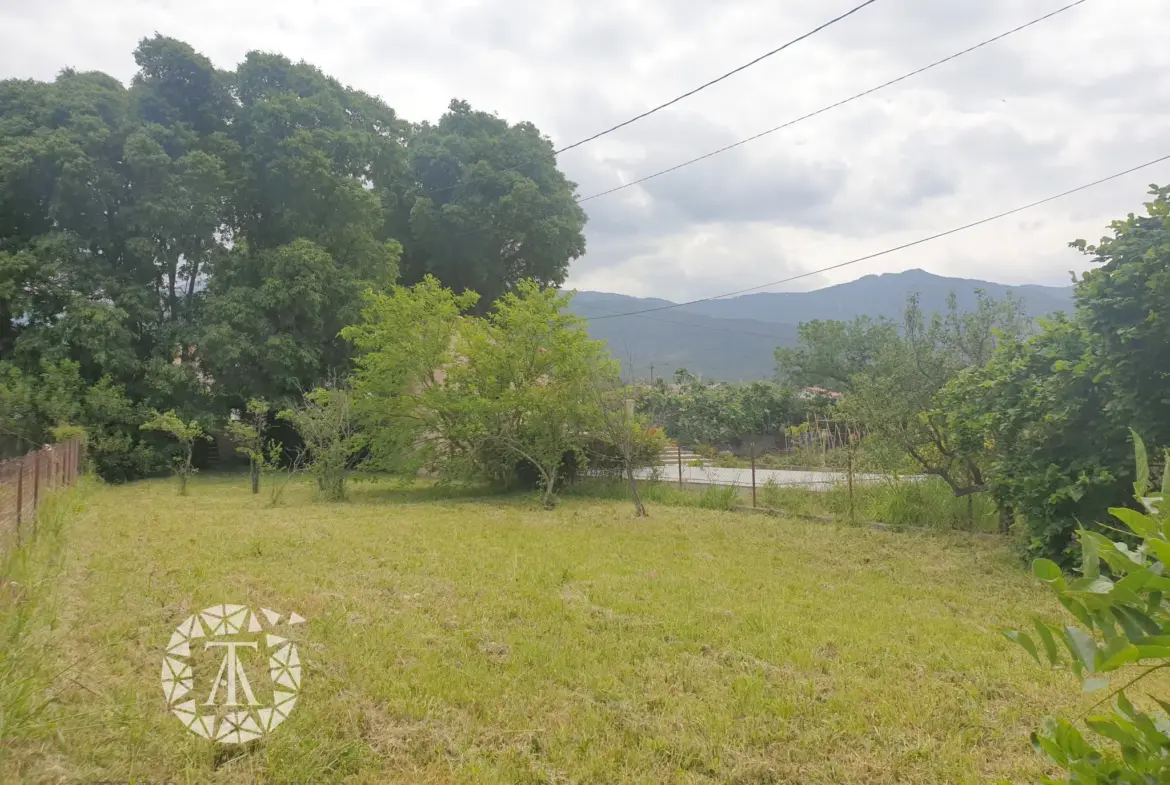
(490, 641)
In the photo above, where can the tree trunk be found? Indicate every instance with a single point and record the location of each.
(639, 508)
(255, 476)
(549, 485)
(186, 471)
(1006, 518)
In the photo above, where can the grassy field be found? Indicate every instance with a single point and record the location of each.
(490, 641)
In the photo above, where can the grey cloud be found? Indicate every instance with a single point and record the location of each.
(1078, 97)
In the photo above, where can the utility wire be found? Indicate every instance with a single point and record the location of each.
(902, 247)
(672, 101)
(809, 116)
(702, 327)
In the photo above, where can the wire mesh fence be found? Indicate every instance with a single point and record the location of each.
(27, 481)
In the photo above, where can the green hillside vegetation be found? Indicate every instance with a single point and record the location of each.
(733, 339)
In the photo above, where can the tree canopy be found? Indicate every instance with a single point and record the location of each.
(201, 236)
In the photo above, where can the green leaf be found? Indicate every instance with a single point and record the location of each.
(1153, 652)
(1087, 586)
(1110, 730)
(1126, 707)
(1160, 549)
(1103, 621)
(1024, 640)
(1045, 634)
(1166, 476)
(1142, 525)
(1142, 465)
(1137, 619)
(1135, 581)
(1047, 571)
(1114, 656)
(1077, 609)
(1133, 630)
(1090, 554)
(1081, 646)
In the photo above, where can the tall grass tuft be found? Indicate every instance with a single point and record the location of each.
(29, 577)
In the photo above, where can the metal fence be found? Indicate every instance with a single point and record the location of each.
(27, 481)
(682, 465)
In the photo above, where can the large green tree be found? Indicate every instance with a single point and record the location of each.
(898, 399)
(830, 353)
(487, 206)
(1124, 305)
(316, 159)
(1055, 411)
(200, 237)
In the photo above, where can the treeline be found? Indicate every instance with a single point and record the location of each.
(201, 237)
(720, 414)
(1037, 416)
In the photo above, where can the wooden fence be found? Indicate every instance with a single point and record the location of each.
(25, 482)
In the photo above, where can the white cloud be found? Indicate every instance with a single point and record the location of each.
(1077, 97)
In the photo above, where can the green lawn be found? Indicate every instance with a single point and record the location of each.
(491, 641)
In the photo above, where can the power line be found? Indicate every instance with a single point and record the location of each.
(672, 101)
(902, 247)
(703, 327)
(830, 107)
(809, 116)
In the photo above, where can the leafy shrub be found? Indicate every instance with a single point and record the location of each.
(326, 420)
(605, 457)
(186, 434)
(1123, 619)
(719, 497)
(928, 504)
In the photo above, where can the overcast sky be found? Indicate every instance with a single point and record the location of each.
(1070, 100)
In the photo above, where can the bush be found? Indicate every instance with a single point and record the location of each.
(1122, 618)
(605, 457)
(929, 504)
(719, 497)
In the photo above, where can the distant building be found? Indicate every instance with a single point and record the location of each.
(817, 392)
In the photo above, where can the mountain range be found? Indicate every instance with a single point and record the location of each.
(733, 339)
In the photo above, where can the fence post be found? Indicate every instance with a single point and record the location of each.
(19, 497)
(753, 454)
(849, 455)
(678, 445)
(36, 488)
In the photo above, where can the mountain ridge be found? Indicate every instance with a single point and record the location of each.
(733, 339)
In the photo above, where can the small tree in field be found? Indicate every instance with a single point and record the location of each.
(248, 435)
(1123, 620)
(327, 421)
(522, 388)
(624, 437)
(186, 433)
(406, 343)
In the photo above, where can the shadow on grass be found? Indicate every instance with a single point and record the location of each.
(397, 491)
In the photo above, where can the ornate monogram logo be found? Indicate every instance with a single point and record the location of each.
(227, 708)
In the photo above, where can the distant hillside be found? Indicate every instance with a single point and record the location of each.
(733, 339)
